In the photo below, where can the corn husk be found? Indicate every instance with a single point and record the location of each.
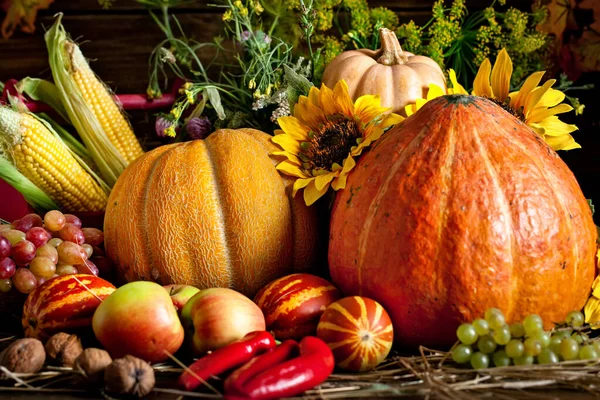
(107, 158)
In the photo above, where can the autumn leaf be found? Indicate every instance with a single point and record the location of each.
(558, 17)
(21, 13)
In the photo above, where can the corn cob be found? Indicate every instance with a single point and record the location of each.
(103, 106)
(97, 118)
(45, 160)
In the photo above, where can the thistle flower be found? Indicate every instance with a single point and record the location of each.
(198, 127)
(164, 127)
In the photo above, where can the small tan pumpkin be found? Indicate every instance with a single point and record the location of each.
(397, 76)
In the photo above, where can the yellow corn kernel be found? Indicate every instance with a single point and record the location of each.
(46, 161)
(104, 107)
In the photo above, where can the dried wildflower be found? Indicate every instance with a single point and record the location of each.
(385, 16)
(246, 35)
(410, 34)
(167, 56)
(227, 15)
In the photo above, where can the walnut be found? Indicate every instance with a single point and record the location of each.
(62, 349)
(91, 364)
(24, 355)
(129, 375)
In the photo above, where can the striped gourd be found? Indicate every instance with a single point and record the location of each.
(64, 304)
(358, 331)
(91, 109)
(46, 161)
(293, 304)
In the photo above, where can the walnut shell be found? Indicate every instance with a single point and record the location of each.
(129, 375)
(62, 349)
(24, 356)
(91, 364)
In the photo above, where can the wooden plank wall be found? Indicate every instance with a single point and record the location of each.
(120, 40)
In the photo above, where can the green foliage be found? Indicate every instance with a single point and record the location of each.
(461, 41)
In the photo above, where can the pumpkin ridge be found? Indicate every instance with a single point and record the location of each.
(560, 201)
(144, 220)
(222, 218)
(293, 222)
(444, 200)
(368, 223)
(493, 174)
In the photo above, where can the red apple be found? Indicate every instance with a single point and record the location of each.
(216, 317)
(138, 319)
(180, 294)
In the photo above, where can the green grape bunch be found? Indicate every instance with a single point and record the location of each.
(490, 341)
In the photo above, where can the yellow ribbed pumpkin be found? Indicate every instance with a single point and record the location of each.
(209, 213)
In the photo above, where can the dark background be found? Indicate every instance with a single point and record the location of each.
(119, 41)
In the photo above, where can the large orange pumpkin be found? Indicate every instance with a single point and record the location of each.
(209, 213)
(460, 208)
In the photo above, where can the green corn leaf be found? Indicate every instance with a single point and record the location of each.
(44, 91)
(33, 194)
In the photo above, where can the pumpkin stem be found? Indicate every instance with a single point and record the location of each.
(390, 53)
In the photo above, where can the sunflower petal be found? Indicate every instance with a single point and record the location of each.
(300, 184)
(294, 127)
(457, 88)
(541, 114)
(564, 142)
(312, 194)
(501, 74)
(368, 107)
(552, 98)
(554, 126)
(292, 158)
(592, 311)
(291, 169)
(323, 180)
(287, 143)
(517, 98)
(596, 284)
(410, 109)
(340, 182)
(435, 91)
(413, 108)
(328, 104)
(481, 84)
(390, 120)
(309, 115)
(313, 96)
(342, 98)
(535, 96)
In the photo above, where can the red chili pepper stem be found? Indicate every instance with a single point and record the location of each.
(235, 383)
(225, 358)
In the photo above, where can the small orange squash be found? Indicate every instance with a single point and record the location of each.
(209, 213)
(397, 76)
(460, 208)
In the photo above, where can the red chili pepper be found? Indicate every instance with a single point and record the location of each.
(231, 356)
(235, 383)
(292, 377)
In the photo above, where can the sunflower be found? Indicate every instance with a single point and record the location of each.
(537, 106)
(325, 134)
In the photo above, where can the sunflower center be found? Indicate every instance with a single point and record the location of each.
(506, 106)
(332, 143)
